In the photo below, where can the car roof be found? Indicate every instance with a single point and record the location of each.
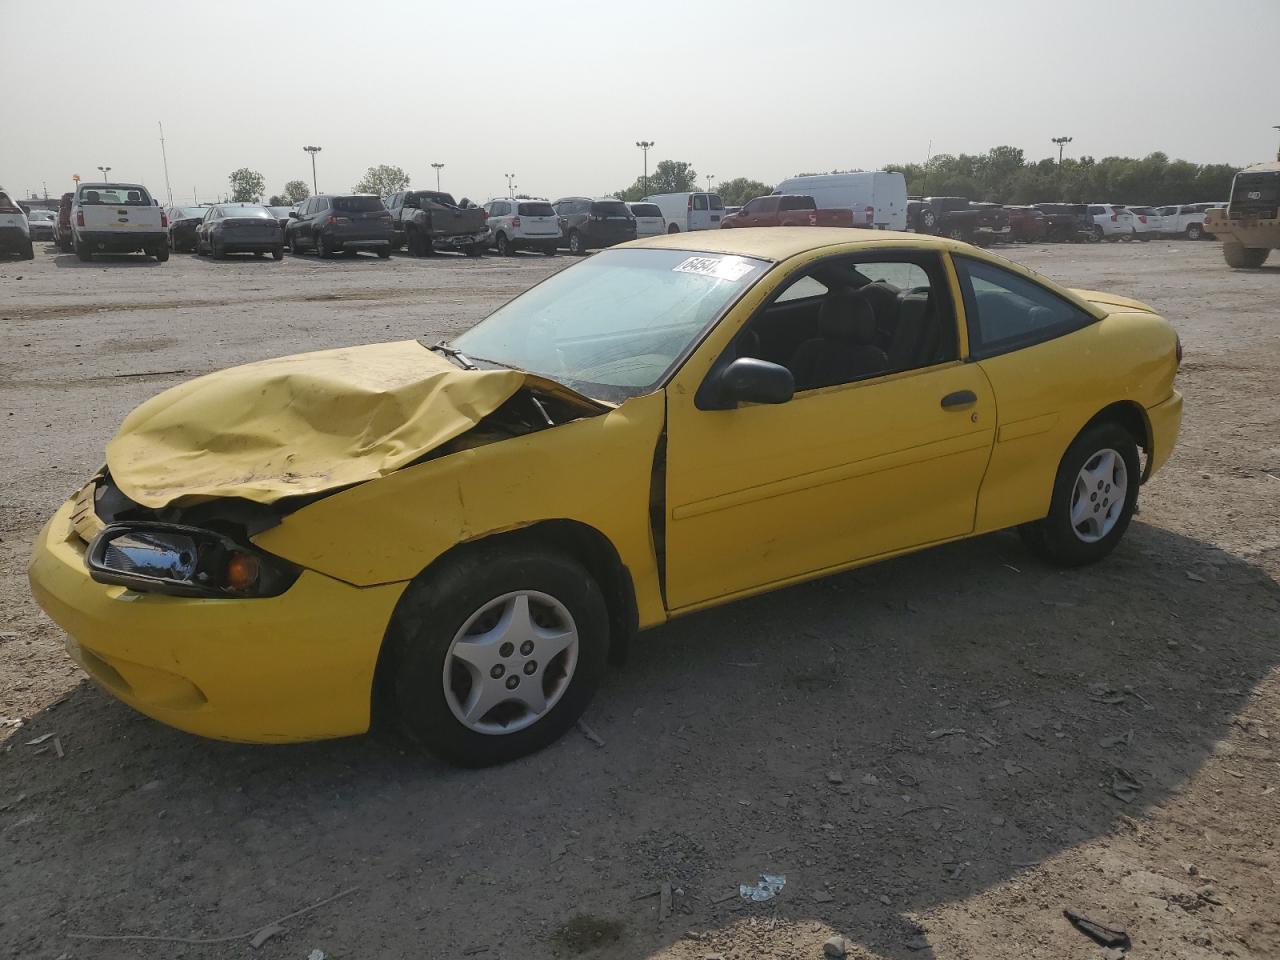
(781, 243)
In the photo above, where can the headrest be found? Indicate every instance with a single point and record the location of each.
(846, 316)
(91, 196)
(912, 306)
(883, 297)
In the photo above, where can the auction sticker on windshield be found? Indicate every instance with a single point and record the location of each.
(721, 268)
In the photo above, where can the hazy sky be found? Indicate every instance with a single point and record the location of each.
(558, 92)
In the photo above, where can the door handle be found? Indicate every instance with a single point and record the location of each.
(961, 398)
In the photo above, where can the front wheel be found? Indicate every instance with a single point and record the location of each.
(576, 246)
(161, 252)
(28, 252)
(84, 252)
(1094, 498)
(1238, 255)
(474, 250)
(1195, 232)
(323, 248)
(504, 246)
(956, 233)
(497, 654)
(927, 221)
(384, 252)
(277, 253)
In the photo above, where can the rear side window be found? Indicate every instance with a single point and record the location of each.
(646, 210)
(716, 202)
(1095, 211)
(536, 210)
(499, 209)
(699, 201)
(610, 208)
(798, 203)
(1005, 311)
(358, 204)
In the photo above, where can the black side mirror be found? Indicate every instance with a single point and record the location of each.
(294, 214)
(748, 380)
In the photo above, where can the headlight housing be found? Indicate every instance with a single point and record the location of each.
(185, 561)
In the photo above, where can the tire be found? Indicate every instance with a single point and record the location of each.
(83, 252)
(419, 246)
(432, 688)
(504, 246)
(957, 233)
(161, 253)
(384, 252)
(926, 221)
(28, 251)
(277, 253)
(1238, 255)
(475, 250)
(549, 251)
(575, 244)
(1195, 231)
(1097, 233)
(674, 228)
(200, 248)
(397, 244)
(218, 250)
(259, 254)
(322, 247)
(1110, 453)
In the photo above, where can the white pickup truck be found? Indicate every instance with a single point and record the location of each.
(118, 218)
(15, 234)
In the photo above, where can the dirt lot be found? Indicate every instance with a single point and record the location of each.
(939, 753)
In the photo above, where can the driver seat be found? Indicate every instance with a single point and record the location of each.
(845, 349)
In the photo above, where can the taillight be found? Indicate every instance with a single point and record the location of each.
(164, 219)
(1115, 218)
(871, 214)
(79, 218)
(515, 221)
(691, 201)
(1142, 218)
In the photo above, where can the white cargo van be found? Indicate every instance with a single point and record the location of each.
(879, 194)
(689, 211)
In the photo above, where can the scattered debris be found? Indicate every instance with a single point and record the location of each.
(664, 902)
(871, 780)
(265, 934)
(822, 896)
(57, 747)
(834, 947)
(770, 886)
(918, 942)
(1013, 769)
(585, 932)
(1124, 738)
(728, 896)
(835, 776)
(1105, 693)
(11, 721)
(945, 732)
(1125, 785)
(1195, 576)
(315, 955)
(248, 934)
(40, 739)
(478, 948)
(1000, 705)
(1099, 933)
(590, 734)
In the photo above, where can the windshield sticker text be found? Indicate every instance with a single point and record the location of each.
(721, 268)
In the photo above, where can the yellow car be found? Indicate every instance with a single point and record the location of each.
(460, 537)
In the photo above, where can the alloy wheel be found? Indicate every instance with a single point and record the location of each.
(1098, 498)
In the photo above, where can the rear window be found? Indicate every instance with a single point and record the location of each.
(1094, 211)
(537, 210)
(115, 196)
(358, 204)
(246, 212)
(191, 212)
(798, 203)
(610, 208)
(646, 210)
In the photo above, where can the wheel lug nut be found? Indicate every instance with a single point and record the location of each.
(526, 648)
(530, 666)
(512, 682)
(497, 671)
(507, 649)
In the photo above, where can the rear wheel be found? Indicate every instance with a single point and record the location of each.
(1238, 255)
(576, 245)
(1097, 233)
(161, 252)
(957, 233)
(322, 246)
(504, 246)
(1094, 498)
(259, 254)
(83, 251)
(496, 654)
(926, 222)
(28, 252)
(549, 250)
(674, 228)
(219, 251)
(419, 245)
(1195, 231)
(384, 252)
(475, 250)
(277, 253)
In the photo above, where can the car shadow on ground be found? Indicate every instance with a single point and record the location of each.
(64, 260)
(891, 740)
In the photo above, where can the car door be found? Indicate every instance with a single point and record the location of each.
(1043, 357)
(885, 461)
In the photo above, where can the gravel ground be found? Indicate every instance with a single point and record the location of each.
(940, 753)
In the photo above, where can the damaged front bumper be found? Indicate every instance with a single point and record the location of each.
(298, 666)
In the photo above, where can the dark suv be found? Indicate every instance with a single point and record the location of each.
(587, 224)
(329, 223)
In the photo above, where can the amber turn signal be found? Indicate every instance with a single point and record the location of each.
(242, 571)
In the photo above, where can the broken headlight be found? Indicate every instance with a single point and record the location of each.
(185, 561)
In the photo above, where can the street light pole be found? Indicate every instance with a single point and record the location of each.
(437, 167)
(1277, 127)
(105, 171)
(313, 151)
(511, 178)
(644, 145)
(710, 177)
(1061, 142)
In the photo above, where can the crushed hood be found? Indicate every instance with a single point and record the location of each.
(1112, 303)
(303, 424)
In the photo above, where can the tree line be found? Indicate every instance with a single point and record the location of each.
(1001, 175)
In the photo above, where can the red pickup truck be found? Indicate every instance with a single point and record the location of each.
(788, 210)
